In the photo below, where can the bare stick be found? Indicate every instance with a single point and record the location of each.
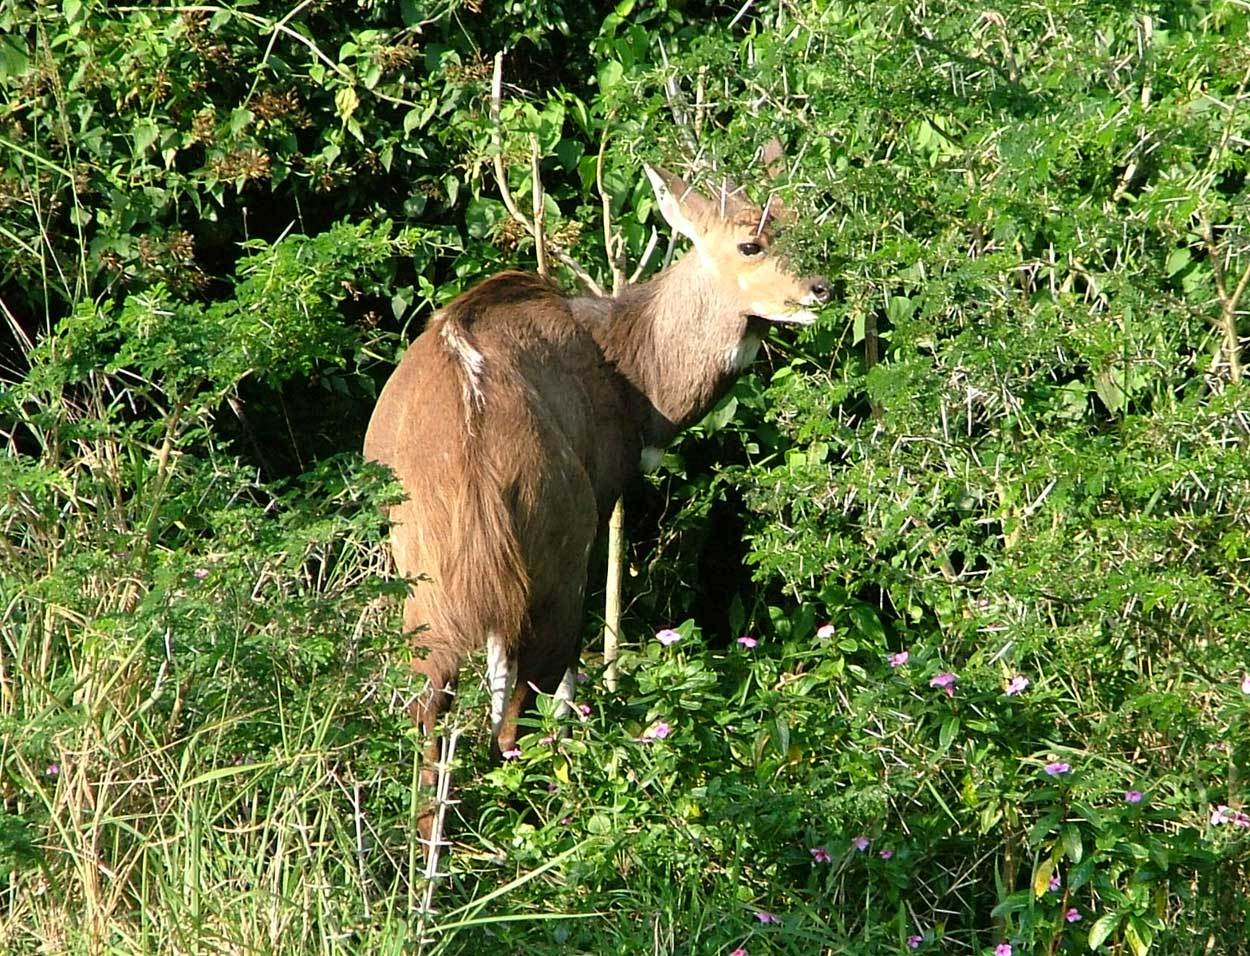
(496, 97)
(441, 802)
(540, 214)
(360, 839)
(646, 256)
(612, 607)
(612, 244)
(1228, 302)
(677, 106)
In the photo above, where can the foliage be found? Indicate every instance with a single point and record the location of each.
(986, 522)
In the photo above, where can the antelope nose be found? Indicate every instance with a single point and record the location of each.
(821, 289)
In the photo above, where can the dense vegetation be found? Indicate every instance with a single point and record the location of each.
(987, 523)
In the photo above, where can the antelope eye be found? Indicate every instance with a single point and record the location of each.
(750, 248)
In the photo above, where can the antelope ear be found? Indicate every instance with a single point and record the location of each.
(680, 205)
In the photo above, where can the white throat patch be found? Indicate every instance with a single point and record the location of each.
(742, 354)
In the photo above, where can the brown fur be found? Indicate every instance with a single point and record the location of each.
(513, 423)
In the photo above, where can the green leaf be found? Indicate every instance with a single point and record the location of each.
(1041, 877)
(1103, 927)
(345, 102)
(1178, 259)
(610, 74)
(1138, 935)
(950, 727)
(145, 133)
(1070, 836)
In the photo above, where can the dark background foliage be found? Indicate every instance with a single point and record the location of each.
(1013, 447)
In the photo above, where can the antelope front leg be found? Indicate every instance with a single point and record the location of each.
(501, 670)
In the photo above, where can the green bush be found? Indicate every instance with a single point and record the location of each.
(1012, 450)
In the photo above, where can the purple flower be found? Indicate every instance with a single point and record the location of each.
(583, 709)
(511, 754)
(657, 731)
(582, 677)
(766, 917)
(886, 854)
(1019, 684)
(944, 680)
(747, 641)
(667, 636)
(1240, 819)
(913, 942)
(54, 769)
(1057, 768)
(860, 843)
(1002, 949)
(1134, 796)
(826, 631)
(899, 659)
(200, 573)
(820, 854)
(1073, 915)
(1054, 883)
(1219, 815)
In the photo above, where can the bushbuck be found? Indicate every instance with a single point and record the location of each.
(517, 417)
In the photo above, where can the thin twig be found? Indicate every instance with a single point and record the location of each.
(1228, 303)
(646, 256)
(540, 214)
(612, 244)
(677, 105)
(505, 193)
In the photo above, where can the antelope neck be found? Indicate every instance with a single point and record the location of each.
(669, 338)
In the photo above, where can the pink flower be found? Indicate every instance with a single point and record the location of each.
(200, 573)
(825, 631)
(860, 843)
(1241, 819)
(766, 917)
(1245, 684)
(820, 854)
(1219, 815)
(1002, 949)
(583, 709)
(899, 659)
(582, 677)
(53, 770)
(946, 681)
(667, 636)
(913, 942)
(886, 854)
(740, 951)
(511, 754)
(747, 641)
(657, 731)
(1073, 915)
(1019, 684)
(1056, 768)
(1054, 883)
(1134, 796)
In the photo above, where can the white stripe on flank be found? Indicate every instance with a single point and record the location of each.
(471, 360)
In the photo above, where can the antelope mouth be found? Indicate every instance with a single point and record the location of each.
(796, 316)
